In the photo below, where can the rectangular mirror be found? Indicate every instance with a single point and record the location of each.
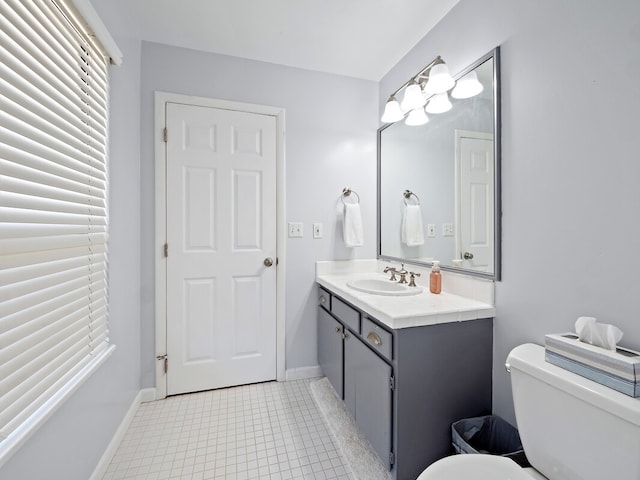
(450, 169)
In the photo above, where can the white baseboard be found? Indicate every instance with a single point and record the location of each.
(148, 395)
(144, 395)
(302, 373)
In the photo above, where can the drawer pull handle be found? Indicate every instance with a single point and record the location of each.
(323, 299)
(374, 338)
(338, 330)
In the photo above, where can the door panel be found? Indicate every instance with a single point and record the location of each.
(221, 214)
(330, 349)
(368, 395)
(246, 196)
(199, 204)
(199, 302)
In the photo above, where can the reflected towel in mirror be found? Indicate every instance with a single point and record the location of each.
(412, 231)
(352, 225)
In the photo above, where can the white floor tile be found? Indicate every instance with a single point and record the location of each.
(265, 431)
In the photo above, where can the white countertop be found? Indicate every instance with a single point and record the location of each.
(396, 312)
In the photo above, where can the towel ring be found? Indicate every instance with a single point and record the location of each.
(346, 191)
(408, 194)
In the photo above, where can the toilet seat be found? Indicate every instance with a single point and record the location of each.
(474, 467)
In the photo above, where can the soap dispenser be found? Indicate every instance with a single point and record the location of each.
(435, 278)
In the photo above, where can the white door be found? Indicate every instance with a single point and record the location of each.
(476, 207)
(221, 237)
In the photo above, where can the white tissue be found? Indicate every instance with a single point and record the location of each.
(598, 334)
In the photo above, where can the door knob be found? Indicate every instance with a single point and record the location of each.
(268, 262)
(467, 255)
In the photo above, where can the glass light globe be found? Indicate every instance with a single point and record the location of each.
(392, 112)
(468, 86)
(413, 97)
(416, 117)
(440, 80)
(439, 103)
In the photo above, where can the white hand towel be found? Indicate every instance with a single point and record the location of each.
(412, 232)
(352, 225)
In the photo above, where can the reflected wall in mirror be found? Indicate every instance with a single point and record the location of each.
(439, 183)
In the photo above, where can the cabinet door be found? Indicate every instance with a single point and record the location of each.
(330, 351)
(368, 395)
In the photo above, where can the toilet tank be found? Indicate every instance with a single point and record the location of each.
(573, 428)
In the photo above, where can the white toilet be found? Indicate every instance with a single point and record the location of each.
(571, 429)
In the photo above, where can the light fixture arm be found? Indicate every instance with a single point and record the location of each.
(419, 76)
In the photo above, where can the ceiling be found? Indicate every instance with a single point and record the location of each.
(356, 38)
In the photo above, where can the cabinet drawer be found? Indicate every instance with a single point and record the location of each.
(377, 337)
(346, 314)
(324, 298)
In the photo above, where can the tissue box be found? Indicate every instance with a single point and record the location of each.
(619, 369)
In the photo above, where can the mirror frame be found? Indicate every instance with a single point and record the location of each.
(497, 153)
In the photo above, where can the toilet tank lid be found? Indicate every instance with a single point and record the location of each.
(529, 359)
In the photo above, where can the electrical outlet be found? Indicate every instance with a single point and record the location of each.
(295, 230)
(431, 230)
(317, 230)
(447, 229)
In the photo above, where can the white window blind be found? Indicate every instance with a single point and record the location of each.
(53, 205)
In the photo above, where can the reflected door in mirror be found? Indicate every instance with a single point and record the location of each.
(476, 184)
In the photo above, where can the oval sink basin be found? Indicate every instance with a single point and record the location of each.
(377, 286)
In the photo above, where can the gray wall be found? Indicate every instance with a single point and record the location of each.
(70, 444)
(570, 172)
(330, 143)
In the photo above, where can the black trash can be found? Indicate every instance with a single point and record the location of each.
(489, 434)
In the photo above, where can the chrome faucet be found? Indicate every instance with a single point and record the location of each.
(393, 273)
(403, 275)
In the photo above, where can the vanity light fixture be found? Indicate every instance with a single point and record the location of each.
(430, 84)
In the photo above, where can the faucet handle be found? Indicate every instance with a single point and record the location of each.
(393, 273)
(412, 279)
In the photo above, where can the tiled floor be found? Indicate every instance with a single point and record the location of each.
(266, 431)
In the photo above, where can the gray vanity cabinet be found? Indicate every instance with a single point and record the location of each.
(405, 387)
(359, 376)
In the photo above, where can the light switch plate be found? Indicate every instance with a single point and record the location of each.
(447, 229)
(295, 230)
(431, 230)
(317, 230)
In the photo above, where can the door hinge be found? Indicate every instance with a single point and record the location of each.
(166, 362)
(392, 383)
(165, 250)
(165, 135)
(392, 458)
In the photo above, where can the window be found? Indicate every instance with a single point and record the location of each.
(53, 210)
